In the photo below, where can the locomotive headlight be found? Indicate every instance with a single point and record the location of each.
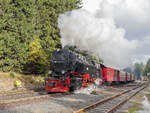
(62, 71)
(57, 49)
(50, 72)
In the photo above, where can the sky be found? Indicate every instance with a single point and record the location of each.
(118, 31)
(133, 16)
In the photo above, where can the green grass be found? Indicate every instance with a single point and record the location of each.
(135, 103)
(133, 109)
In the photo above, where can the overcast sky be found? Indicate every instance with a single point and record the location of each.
(116, 30)
(131, 15)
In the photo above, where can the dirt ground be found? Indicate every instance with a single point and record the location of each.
(6, 82)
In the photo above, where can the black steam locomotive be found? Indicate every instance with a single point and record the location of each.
(70, 70)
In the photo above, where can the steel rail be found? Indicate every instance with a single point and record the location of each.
(32, 97)
(115, 107)
(23, 99)
(16, 92)
(84, 109)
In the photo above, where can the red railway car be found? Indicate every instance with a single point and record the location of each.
(110, 75)
(122, 76)
(128, 77)
(133, 77)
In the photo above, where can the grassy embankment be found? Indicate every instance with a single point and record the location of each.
(7, 80)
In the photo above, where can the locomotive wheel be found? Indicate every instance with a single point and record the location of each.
(72, 89)
(75, 87)
(75, 84)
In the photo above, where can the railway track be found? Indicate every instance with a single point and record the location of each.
(13, 92)
(19, 91)
(19, 97)
(110, 104)
(22, 97)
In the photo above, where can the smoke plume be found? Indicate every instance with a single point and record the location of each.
(106, 32)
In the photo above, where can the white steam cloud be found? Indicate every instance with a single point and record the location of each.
(108, 30)
(87, 90)
(90, 88)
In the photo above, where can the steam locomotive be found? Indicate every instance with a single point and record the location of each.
(71, 71)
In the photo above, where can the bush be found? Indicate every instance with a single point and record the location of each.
(12, 75)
